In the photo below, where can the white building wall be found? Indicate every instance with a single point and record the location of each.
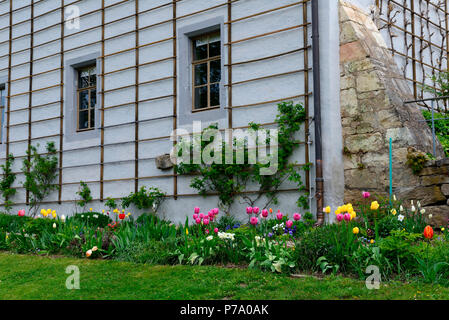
(81, 157)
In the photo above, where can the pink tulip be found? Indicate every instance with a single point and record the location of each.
(249, 210)
(205, 222)
(366, 194)
(211, 218)
(216, 230)
(215, 211)
(289, 224)
(279, 215)
(296, 216)
(256, 210)
(197, 210)
(210, 214)
(195, 216)
(347, 217)
(198, 220)
(21, 213)
(201, 216)
(265, 213)
(207, 231)
(339, 217)
(254, 221)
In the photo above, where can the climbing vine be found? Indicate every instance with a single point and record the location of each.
(8, 178)
(40, 171)
(230, 180)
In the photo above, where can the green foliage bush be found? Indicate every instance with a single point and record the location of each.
(441, 128)
(8, 178)
(40, 172)
(149, 199)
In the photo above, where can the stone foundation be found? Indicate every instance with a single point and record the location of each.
(432, 190)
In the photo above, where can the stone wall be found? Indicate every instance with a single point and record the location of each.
(373, 92)
(432, 191)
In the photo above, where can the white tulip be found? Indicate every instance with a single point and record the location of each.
(54, 225)
(413, 209)
(423, 211)
(401, 208)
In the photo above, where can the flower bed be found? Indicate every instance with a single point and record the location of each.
(389, 236)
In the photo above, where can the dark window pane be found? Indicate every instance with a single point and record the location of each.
(201, 98)
(200, 74)
(2, 98)
(93, 98)
(92, 118)
(215, 49)
(93, 80)
(83, 120)
(200, 50)
(83, 78)
(84, 100)
(215, 71)
(214, 95)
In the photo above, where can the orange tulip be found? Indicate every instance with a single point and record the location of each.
(428, 232)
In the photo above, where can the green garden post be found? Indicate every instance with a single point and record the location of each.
(391, 172)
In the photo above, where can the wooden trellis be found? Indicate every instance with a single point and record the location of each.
(418, 36)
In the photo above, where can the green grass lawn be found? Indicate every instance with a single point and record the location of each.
(33, 277)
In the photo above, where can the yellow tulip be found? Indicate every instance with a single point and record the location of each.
(353, 215)
(90, 209)
(355, 230)
(374, 205)
(327, 209)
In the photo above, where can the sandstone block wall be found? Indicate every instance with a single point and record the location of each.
(373, 92)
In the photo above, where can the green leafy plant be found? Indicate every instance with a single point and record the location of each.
(85, 195)
(416, 160)
(6, 182)
(325, 266)
(145, 199)
(111, 203)
(441, 127)
(40, 171)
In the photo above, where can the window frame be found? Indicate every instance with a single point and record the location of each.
(89, 90)
(207, 60)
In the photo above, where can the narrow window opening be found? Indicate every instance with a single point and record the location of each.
(86, 98)
(206, 68)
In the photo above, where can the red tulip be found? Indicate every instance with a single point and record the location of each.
(21, 213)
(428, 232)
(121, 216)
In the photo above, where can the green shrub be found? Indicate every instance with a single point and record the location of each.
(40, 171)
(145, 199)
(441, 128)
